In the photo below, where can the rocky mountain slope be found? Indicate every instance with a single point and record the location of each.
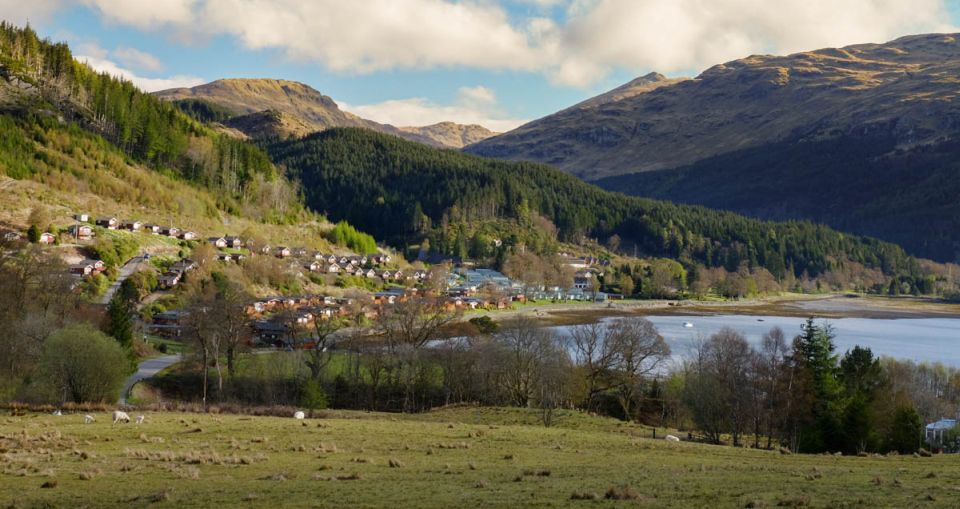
(269, 107)
(833, 135)
(450, 134)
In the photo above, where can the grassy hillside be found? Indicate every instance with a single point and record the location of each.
(403, 192)
(43, 90)
(439, 460)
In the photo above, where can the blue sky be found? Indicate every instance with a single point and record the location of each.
(415, 62)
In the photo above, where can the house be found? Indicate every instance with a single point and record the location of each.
(933, 432)
(83, 218)
(152, 228)
(282, 252)
(81, 232)
(314, 266)
(304, 317)
(47, 238)
(350, 269)
(167, 323)
(109, 223)
(224, 257)
(131, 225)
(237, 257)
(270, 332)
(185, 265)
(331, 268)
(370, 273)
(81, 269)
(382, 298)
(218, 242)
(170, 231)
(265, 249)
(169, 279)
(98, 265)
(188, 235)
(233, 241)
(583, 279)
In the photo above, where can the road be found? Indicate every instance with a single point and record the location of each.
(128, 268)
(145, 370)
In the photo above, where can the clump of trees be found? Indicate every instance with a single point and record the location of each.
(802, 395)
(342, 234)
(47, 352)
(80, 364)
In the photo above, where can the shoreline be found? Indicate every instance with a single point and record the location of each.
(819, 306)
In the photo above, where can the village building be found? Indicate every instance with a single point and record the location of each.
(218, 242)
(81, 232)
(47, 238)
(109, 223)
(131, 225)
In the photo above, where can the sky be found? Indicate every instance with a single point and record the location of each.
(497, 63)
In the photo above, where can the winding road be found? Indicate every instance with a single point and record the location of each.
(128, 268)
(145, 370)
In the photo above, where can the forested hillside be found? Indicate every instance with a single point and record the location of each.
(42, 89)
(862, 138)
(404, 192)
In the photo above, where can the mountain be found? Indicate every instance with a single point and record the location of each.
(861, 138)
(404, 192)
(268, 107)
(450, 134)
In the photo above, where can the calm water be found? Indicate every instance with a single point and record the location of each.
(918, 339)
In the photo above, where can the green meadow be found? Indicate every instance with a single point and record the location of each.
(460, 457)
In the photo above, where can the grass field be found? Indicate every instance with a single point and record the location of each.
(461, 457)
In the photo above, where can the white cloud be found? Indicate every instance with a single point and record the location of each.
(681, 35)
(132, 57)
(20, 12)
(474, 105)
(586, 43)
(102, 64)
(144, 13)
(375, 35)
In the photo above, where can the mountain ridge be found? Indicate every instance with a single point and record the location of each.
(298, 109)
(751, 136)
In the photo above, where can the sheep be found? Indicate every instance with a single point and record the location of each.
(120, 416)
(87, 419)
(671, 438)
(140, 419)
(298, 415)
(57, 412)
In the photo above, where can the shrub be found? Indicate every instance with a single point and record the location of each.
(81, 364)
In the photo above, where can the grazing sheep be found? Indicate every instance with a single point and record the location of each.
(671, 438)
(140, 419)
(87, 419)
(298, 415)
(57, 412)
(120, 416)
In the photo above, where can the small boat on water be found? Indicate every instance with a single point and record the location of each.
(759, 319)
(688, 325)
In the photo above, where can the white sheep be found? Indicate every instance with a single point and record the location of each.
(120, 416)
(57, 412)
(671, 438)
(140, 419)
(298, 415)
(87, 419)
